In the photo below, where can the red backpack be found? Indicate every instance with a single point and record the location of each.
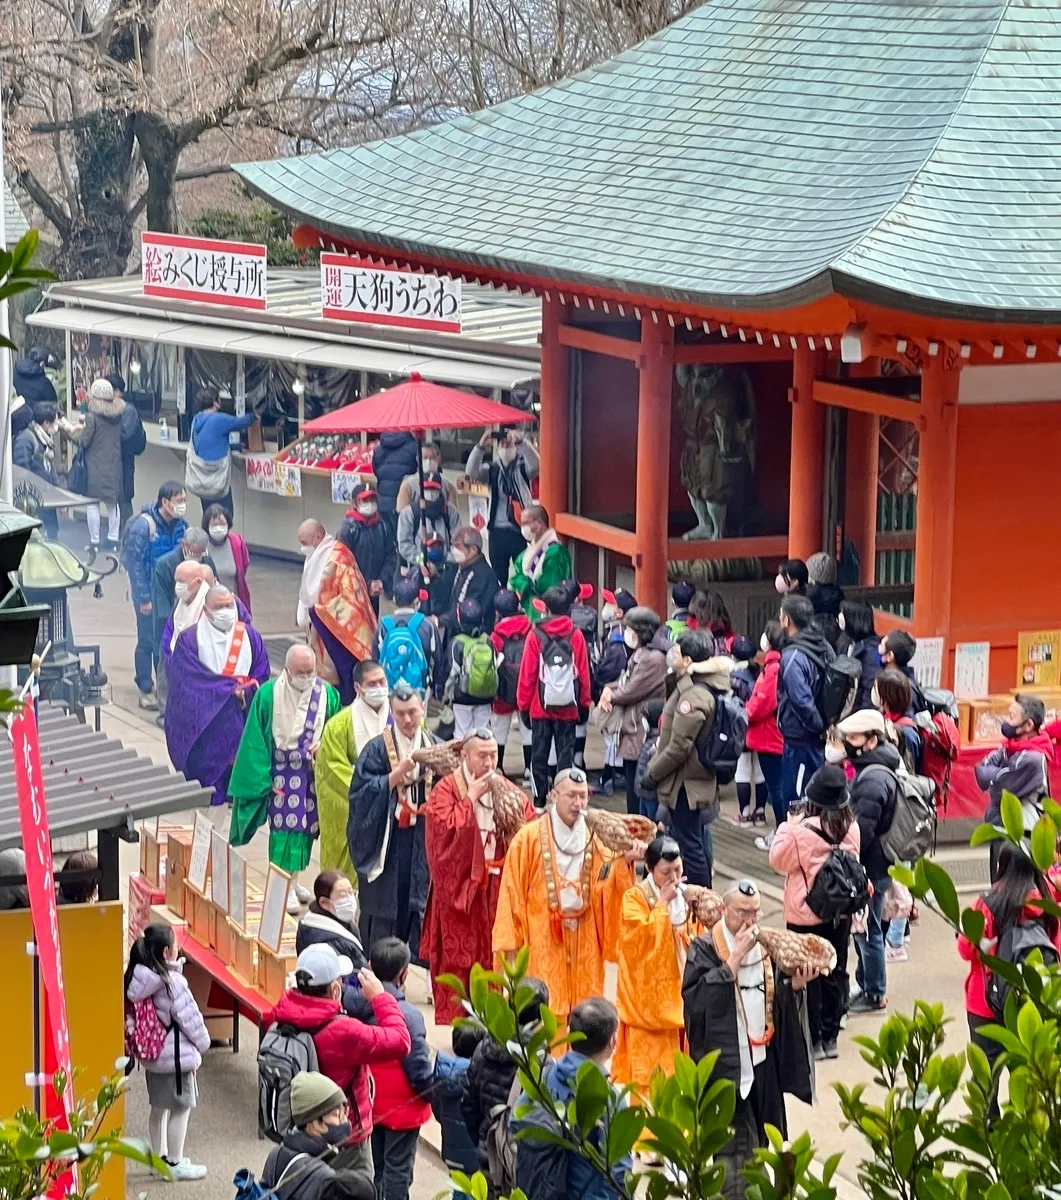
(940, 740)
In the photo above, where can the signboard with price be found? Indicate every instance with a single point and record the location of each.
(212, 272)
(355, 290)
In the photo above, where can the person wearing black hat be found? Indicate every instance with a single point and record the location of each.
(369, 541)
(800, 849)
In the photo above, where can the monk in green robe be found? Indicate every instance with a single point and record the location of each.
(544, 563)
(272, 777)
(344, 737)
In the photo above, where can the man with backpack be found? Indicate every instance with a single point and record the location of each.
(471, 684)
(407, 644)
(474, 579)
(508, 639)
(801, 719)
(308, 1031)
(553, 685)
(688, 758)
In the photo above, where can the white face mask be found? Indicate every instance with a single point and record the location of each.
(874, 698)
(842, 623)
(346, 909)
(300, 682)
(305, 550)
(780, 585)
(367, 508)
(375, 697)
(631, 639)
(764, 644)
(459, 555)
(834, 754)
(218, 533)
(430, 466)
(180, 509)
(528, 533)
(222, 618)
(507, 455)
(180, 590)
(608, 613)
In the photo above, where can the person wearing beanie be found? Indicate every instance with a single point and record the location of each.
(511, 627)
(825, 596)
(367, 537)
(471, 680)
(407, 645)
(100, 440)
(300, 1168)
(681, 595)
(800, 848)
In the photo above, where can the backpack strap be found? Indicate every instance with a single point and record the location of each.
(414, 622)
(389, 624)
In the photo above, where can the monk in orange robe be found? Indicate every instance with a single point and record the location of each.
(465, 854)
(654, 935)
(561, 895)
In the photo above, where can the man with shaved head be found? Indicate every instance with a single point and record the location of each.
(272, 779)
(216, 663)
(465, 854)
(334, 607)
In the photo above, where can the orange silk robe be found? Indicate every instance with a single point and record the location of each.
(567, 954)
(462, 902)
(649, 996)
(344, 607)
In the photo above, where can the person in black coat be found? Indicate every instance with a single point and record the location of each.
(861, 641)
(29, 381)
(873, 796)
(474, 579)
(825, 596)
(396, 456)
(369, 540)
(332, 918)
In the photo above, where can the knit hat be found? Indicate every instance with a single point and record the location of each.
(100, 390)
(827, 787)
(313, 1095)
(821, 568)
(866, 720)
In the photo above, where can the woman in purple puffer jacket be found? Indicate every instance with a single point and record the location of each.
(154, 973)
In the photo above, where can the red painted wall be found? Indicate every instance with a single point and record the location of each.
(1007, 540)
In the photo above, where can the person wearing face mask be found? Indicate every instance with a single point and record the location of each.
(465, 855)
(474, 579)
(334, 607)
(543, 564)
(764, 738)
(861, 642)
(155, 531)
(272, 777)
(33, 448)
(228, 552)
(192, 548)
(434, 517)
(191, 581)
(509, 475)
(792, 577)
(344, 736)
(431, 461)
(216, 665)
(370, 542)
(347, 1048)
(332, 918)
(100, 441)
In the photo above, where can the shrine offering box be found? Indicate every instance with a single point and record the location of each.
(197, 910)
(273, 970)
(244, 958)
(178, 855)
(150, 855)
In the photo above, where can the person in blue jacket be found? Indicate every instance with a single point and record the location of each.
(156, 530)
(210, 430)
(799, 682)
(459, 1152)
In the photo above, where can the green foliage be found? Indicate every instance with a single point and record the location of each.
(34, 1154)
(17, 274)
(259, 224)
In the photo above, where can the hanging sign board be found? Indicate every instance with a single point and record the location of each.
(928, 662)
(1039, 658)
(202, 269)
(199, 865)
(277, 478)
(353, 289)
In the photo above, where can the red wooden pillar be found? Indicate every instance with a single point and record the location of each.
(554, 419)
(807, 459)
(936, 469)
(653, 463)
(860, 487)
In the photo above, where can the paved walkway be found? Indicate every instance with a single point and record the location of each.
(222, 1132)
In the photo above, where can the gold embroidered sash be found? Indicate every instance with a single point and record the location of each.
(557, 914)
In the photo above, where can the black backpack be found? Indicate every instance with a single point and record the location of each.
(837, 686)
(841, 887)
(1014, 946)
(508, 668)
(720, 745)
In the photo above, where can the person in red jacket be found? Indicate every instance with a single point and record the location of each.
(763, 735)
(346, 1048)
(511, 626)
(1016, 883)
(553, 685)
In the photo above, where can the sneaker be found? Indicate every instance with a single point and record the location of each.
(819, 1052)
(896, 954)
(764, 843)
(759, 818)
(603, 789)
(186, 1170)
(528, 779)
(742, 820)
(304, 894)
(831, 1049)
(148, 701)
(294, 904)
(863, 1005)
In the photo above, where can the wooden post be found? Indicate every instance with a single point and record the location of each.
(554, 420)
(937, 463)
(807, 459)
(653, 462)
(860, 486)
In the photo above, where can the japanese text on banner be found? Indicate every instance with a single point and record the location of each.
(354, 290)
(232, 273)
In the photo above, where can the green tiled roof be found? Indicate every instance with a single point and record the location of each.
(757, 153)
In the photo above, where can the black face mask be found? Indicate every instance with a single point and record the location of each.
(853, 751)
(337, 1135)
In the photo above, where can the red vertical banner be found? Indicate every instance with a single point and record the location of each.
(40, 881)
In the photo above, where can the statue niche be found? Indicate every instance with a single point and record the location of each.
(717, 409)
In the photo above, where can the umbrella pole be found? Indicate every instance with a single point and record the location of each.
(422, 501)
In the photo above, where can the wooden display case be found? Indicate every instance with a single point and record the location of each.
(273, 970)
(178, 855)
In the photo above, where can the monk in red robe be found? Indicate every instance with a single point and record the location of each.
(465, 854)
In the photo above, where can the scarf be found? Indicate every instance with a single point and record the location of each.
(407, 809)
(310, 584)
(45, 440)
(353, 515)
(366, 723)
(213, 646)
(565, 908)
(483, 809)
(1040, 742)
(534, 555)
(290, 708)
(755, 1004)
(186, 614)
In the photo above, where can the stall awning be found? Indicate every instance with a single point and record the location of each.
(93, 782)
(470, 371)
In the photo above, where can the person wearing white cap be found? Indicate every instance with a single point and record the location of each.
(873, 796)
(346, 1048)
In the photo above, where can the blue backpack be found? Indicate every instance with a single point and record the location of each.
(402, 654)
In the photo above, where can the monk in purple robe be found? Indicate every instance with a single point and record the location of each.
(216, 666)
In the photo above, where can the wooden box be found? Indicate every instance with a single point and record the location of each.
(197, 910)
(273, 970)
(244, 960)
(178, 854)
(986, 717)
(965, 717)
(150, 853)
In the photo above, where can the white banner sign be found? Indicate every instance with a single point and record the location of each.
(355, 290)
(277, 478)
(212, 272)
(928, 661)
(972, 668)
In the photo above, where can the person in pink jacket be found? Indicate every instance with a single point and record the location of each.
(154, 973)
(763, 736)
(799, 848)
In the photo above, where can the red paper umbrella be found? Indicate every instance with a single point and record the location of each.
(417, 405)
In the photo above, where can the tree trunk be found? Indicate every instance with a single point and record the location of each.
(161, 151)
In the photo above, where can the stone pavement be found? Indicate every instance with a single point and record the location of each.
(222, 1132)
